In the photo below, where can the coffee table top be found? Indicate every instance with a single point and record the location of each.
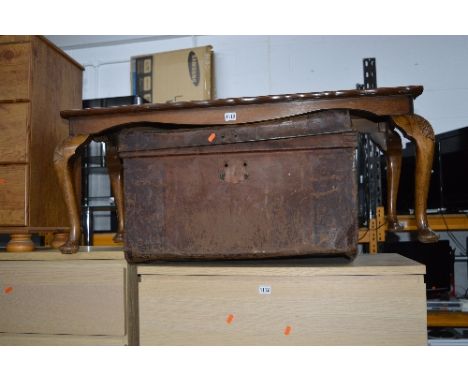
(412, 91)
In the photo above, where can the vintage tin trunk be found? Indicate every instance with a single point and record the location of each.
(261, 190)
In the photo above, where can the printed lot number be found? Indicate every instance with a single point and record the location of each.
(264, 289)
(230, 116)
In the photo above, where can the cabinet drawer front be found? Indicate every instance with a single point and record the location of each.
(244, 310)
(59, 340)
(66, 297)
(13, 204)
(14, 71)
(13, 132)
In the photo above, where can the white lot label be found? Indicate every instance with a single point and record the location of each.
(230, 116)
(264, 289)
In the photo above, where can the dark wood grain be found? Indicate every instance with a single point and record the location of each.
(372, 107)
(411, 91)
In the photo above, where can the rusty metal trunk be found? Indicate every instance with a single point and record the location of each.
(261, 190)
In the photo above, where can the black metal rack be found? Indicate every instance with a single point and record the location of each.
(368, 158)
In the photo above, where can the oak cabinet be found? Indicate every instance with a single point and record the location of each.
(37, 81)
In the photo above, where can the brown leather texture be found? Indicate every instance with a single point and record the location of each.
(291, 194)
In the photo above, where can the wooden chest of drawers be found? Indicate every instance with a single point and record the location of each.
(37, 81)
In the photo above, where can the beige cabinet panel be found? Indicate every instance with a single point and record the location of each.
(351, 305)
(68, 297)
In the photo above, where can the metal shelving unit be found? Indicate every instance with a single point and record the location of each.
(371, 213)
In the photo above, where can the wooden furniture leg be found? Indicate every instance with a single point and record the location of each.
(393, 158)
(419, 130)
(20, 242)
(114, 167)
(62, 155)
(60, 239)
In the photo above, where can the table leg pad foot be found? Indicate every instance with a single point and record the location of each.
(70, 247)
(118, 238)
(427, 235)
(394, 226)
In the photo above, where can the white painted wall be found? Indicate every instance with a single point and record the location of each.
(260, 65)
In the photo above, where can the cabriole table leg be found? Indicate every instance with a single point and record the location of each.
(60, 238)
(62, 155)
(393, 158)
(419, 130)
